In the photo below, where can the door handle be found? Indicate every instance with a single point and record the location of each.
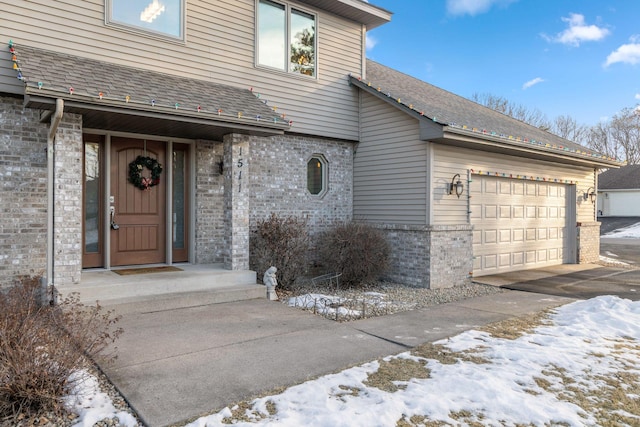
(114, 226)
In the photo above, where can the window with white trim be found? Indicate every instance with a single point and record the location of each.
(317, 175)
(286, 38)
(160, 17)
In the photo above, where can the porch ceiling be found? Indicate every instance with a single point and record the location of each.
(128, 99)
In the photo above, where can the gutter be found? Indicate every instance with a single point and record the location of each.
(48, 294)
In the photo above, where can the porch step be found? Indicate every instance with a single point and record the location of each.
(194, 285)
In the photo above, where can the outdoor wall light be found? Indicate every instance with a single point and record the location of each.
(590, 195)
(458, 187)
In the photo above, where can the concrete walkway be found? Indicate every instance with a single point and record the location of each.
(179, 362)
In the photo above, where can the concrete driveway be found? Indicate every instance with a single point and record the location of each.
(572, 281)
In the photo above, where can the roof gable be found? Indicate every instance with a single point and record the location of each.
(459, 114)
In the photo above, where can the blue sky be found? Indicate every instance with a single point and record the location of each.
(563, 57)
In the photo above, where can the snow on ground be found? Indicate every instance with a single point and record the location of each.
(612, 261)
(91, 404)
(631, 232)
(519, 381)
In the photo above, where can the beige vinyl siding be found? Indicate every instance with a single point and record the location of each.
(219, 47)
(390, 169)
(448, 161)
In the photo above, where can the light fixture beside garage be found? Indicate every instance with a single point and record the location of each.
(458, 187)
(590, 194)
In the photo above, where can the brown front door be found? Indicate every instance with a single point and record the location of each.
(138, 236)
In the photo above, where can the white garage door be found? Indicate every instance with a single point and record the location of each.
(518, 224)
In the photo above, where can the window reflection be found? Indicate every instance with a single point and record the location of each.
(302, 43)
(286, 36)
(272, 34)
(91, 197)
(179, 200)
(160, 16)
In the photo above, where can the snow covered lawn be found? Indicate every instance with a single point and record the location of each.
(631, 232)
(577, 366)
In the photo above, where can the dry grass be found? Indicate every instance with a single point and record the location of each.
(619, 392)
(396, 370)
(512, 329)
(615, 402)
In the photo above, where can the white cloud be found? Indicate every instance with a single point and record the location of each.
(637, 96)
(532, 82)
(579, 31)
(371, 42)
(627, 53)
(473, 7)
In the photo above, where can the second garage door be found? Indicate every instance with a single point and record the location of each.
(518, 224)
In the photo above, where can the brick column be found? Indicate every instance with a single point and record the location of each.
(68, 201)
(588, 234)
(236, 201)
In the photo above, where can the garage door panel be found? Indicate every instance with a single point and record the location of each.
(518, 224)
(542, 255)
(542, 211)
(490, 212)
(518, 258)
(518, 211)
(530, 211)
(490, 236)
(518, 234)
(504, 260)
(490, 187)
(530, 257)
(518, 188)
(490, 262)
(531, 234)
(542, 234)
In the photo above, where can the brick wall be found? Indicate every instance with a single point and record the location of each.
(588, 242)
(278, 181)
(430, 256)
(23, 191)
(209, 226)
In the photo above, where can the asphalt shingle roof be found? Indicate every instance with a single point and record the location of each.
(627, 177)
(453, 110)
(50, 72)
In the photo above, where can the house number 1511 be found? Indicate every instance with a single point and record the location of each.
(239, 165)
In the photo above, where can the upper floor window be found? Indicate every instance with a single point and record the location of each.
(286, 38)
(164, 17)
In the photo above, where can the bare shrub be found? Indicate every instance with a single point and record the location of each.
(357, 250)
(282, 242)
(41, 346)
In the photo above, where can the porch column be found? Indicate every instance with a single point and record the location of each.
(236, 201)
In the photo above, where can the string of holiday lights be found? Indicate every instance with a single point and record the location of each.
(523, 177)
(518, 139)
(128, 99)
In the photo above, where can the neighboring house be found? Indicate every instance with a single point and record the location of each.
(619, 192)
(253, 107)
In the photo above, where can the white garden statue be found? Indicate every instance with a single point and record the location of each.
(269, 280)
